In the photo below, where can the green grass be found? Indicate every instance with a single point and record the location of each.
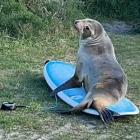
(113, 9)
(21, 65)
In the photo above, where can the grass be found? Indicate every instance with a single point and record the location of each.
(21, 65)
(114, 9)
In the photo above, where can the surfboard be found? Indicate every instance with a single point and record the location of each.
(58, 72)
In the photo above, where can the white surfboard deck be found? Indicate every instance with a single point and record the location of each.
(57, 72)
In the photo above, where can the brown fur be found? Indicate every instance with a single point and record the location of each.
(97, 68)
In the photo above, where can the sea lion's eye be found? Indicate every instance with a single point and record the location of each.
(87, 28)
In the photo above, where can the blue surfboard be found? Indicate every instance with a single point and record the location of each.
(57, 72)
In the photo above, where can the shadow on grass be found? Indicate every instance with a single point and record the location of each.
(34, 87)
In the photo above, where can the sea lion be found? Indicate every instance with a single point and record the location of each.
(97, 69)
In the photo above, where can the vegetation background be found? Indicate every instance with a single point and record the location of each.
(27, 17)
(32, 31)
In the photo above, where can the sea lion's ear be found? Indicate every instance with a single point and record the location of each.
(92, 31)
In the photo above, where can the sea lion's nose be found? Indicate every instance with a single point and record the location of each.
(76, 21)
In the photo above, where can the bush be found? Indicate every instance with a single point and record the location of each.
(115, 9)
(16, 19)
(26, 17)
(63, 10)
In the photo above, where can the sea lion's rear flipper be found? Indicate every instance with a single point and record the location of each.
(71, 83)
(106, 115)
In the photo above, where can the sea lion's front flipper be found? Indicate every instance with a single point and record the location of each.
(71, 83)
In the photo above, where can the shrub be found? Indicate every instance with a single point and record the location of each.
(63, 10)
(26, 17)
(16, 19)
(115, 9)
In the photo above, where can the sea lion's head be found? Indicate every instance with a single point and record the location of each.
(88, 28)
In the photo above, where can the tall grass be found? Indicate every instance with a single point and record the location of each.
(32, 17)
(27, 17)
(114, 9)
(15, 19)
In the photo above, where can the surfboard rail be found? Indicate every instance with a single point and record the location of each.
(52, 74)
